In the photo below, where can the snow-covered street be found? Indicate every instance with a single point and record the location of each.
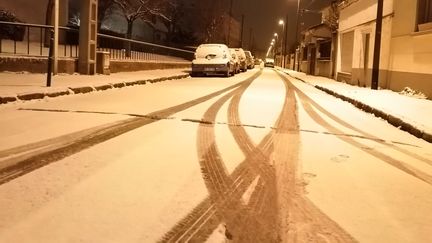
(258, 157)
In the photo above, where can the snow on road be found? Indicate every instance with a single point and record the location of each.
(137, 186)
(129, 189)
(371, 199)
(132, 188)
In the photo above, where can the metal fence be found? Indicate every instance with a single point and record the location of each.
(21, 39)
(127, 49)
(33, 40)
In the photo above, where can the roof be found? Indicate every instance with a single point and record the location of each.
(317, 32)
(322, 30)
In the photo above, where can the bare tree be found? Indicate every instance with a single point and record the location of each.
(176, 11)
(140, 9)
(104, 9)
(333, 17)
(212, 13)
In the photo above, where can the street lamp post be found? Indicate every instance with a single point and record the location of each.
(296, 36)
(275, 40)
(281, 22)
(273, 44)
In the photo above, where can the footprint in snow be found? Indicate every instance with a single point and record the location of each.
(340, 158)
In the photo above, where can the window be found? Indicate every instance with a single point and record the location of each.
(305, 54)
(325, 50)
(424, 11)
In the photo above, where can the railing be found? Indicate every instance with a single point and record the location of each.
(127, 49)
(33, 40)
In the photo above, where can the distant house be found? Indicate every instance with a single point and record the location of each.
(406, 47)
(316, 54)
(316, 50)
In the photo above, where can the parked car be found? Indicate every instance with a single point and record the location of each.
(257, 61)
(269, 62)
(242, 56)
(249, 60)
(236, 60)
(213, 59)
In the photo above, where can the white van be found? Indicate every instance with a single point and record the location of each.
(212, 59)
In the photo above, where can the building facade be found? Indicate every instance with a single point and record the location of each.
(406, 44)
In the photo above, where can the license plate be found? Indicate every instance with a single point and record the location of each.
(209, 69)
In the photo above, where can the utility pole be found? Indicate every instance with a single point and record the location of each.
(241, 33)
(296, 36)
(229, 24)
(250, 39)
(56, 36)
(285, 41)
(377, 46)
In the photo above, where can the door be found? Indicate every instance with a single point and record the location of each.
(312, 62)
(366, 72)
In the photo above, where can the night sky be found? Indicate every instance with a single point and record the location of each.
(263, 17)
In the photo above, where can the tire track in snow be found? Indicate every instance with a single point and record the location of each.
(46, 152)
(299, 219)
(198, 225)
(228, 208)
(307, 103)
(257, 225)
(364, 134)
(289, 198)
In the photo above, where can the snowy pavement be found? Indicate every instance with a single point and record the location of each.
(411, 113)
(26, 86)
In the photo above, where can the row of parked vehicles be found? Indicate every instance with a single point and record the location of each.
(213, 59)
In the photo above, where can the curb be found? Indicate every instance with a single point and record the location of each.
(6, 99)
(83, 89)
(395, 121)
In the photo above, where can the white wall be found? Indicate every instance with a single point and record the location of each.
(360, 18)
(361, 12)
(411, 51)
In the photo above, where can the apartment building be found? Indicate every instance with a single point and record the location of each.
(406, 44)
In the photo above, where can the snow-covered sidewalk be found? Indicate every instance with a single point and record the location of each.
(26, 86)
(410, 113)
